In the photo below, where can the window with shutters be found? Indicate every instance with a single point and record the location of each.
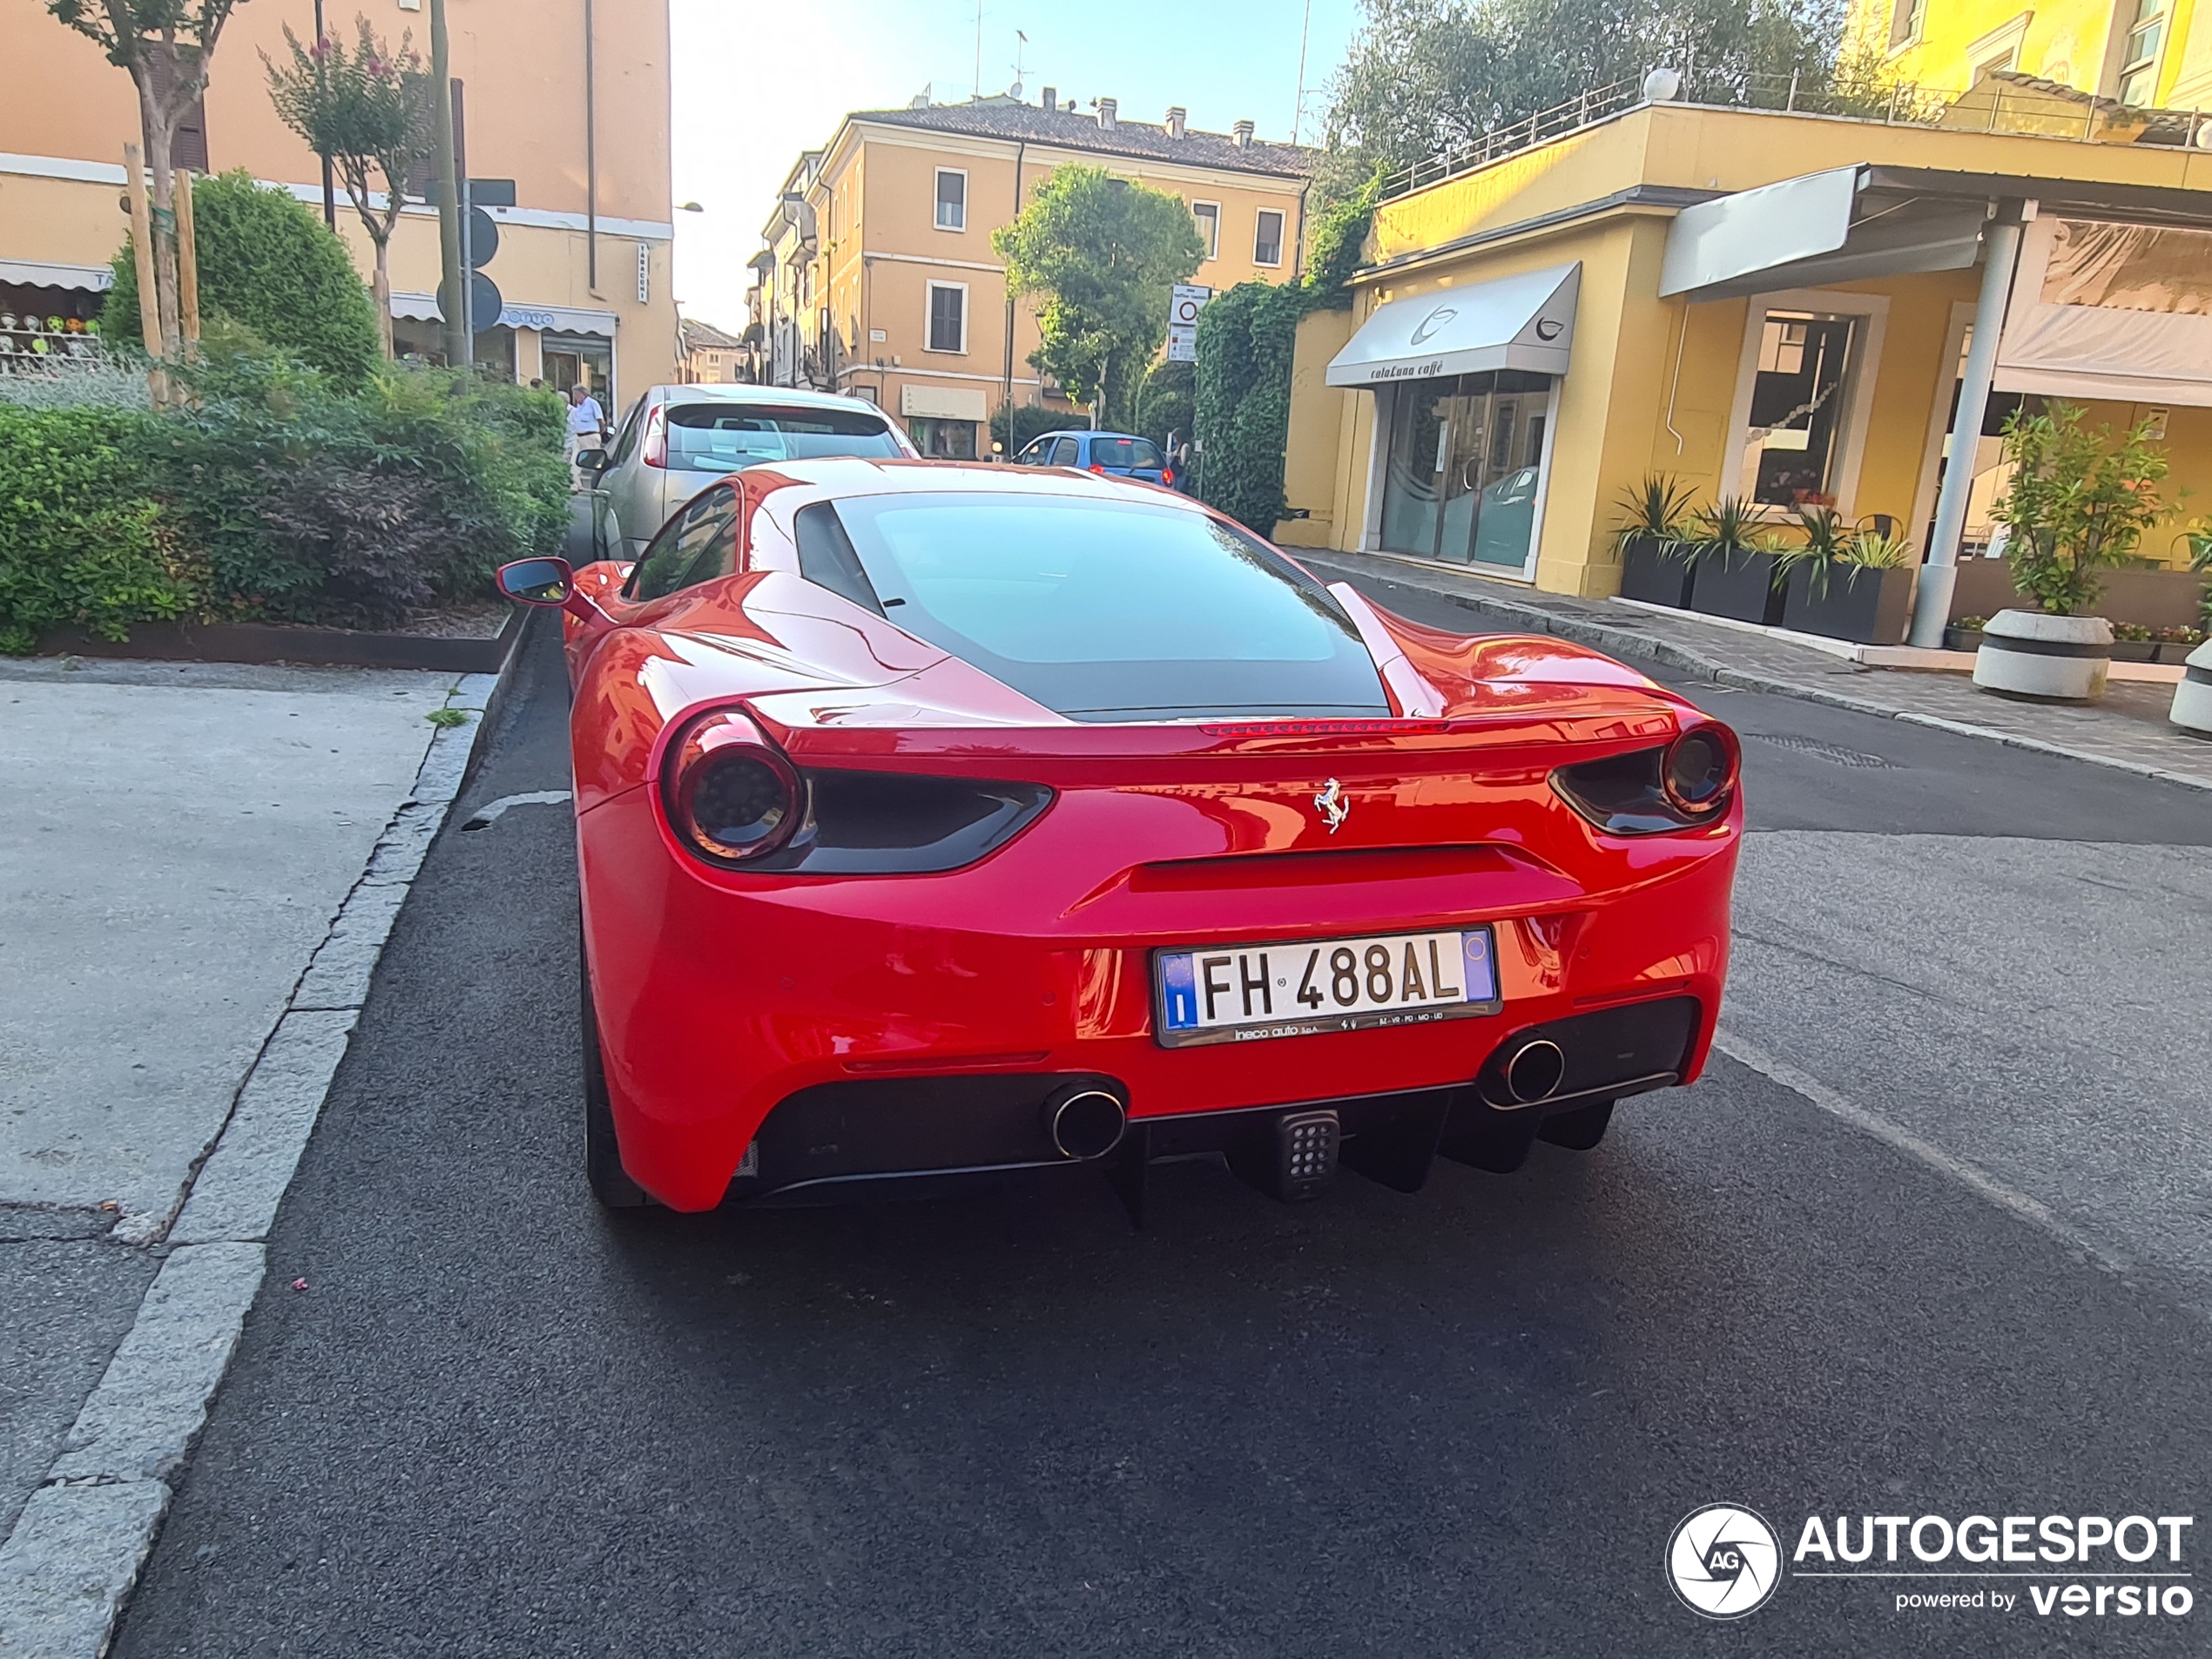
(948, 317)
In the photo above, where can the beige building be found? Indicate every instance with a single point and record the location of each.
(711, 357)
(583, 260)
(880, 279)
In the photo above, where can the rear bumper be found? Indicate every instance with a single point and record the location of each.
(835, 1140)
(877, 1026)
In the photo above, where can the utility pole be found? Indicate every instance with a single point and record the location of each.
(453, 296)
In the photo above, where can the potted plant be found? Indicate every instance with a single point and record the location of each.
(2176, 643)
(1964, 634)
(1734, 574)
(1655, 542)
(2133, 642)
(1847, 584)
(2078, 505)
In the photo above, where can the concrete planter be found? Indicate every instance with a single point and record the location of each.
(2192, 709)
(1854, 602)
(2058, 659)
(1741, 586)
(1657, 571)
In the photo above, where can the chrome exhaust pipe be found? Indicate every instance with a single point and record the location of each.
(1535, 1071)
(1085, 1121)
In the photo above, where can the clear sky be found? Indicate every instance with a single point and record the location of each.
(755, 83)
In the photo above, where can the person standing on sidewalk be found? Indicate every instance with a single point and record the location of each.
(587, 430)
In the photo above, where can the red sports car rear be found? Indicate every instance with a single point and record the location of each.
(939, 819)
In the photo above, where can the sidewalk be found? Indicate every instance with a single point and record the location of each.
(197, 866)
(2129, 729)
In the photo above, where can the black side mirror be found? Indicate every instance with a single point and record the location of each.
(591, 459)
(536, 582)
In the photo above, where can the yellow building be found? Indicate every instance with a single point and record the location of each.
(2143, 53)
(880, 279)
(583, 258)
(1771, 306)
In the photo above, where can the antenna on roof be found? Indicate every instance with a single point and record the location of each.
(1306, 31)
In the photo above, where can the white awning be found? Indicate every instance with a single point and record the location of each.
(552, 320)
(1812, 231)
(2109, 310)
(41, 273)
(1525, 322)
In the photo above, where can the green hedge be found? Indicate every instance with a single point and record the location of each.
(278, 499)
(269, 264)
(1247, 339)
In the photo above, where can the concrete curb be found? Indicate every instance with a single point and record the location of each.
(1626, 641)
(82, 1538)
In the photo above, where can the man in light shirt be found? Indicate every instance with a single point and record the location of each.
(587, 430)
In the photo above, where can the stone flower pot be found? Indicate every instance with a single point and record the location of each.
(2192, 709)
(1740, 585)
(2058, 660)
(1657, 571)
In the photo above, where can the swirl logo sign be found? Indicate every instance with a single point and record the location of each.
(1723, 1561)
(1435, 320)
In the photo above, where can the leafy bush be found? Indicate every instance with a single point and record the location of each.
(277, 498)
(268, 263)
(97, 379)
(81, 542)
(1247, 342)
(2078, 505)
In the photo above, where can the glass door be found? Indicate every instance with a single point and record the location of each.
(1415, 463)
(1512, 459)
(1463, 471)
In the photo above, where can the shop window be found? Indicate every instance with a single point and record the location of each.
(951, 199)
(942, 440)
(1800, 397)
(1267, 240)
(1208, 217)
(1463, 471)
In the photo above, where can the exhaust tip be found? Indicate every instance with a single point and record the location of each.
(1535, 1071)
(1085, 1122)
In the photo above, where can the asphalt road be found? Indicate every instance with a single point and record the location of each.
(496, 1421)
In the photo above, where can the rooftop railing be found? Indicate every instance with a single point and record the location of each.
(2008, 103)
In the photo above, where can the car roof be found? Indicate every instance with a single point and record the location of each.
(840, 475)
(788, 396)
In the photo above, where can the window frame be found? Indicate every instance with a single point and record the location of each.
(1282, 224)
(937, 201)
(678, 524)
(1872, 312)
(1210, 236)
(930, 287)
(1908, 19)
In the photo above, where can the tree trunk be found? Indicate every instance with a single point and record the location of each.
(161, 131)
(381, 285)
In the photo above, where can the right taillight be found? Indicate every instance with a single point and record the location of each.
(656, 445)
(731, 796)
(1678, 786)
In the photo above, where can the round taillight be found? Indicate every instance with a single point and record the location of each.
(730, 795)
(1699, 771)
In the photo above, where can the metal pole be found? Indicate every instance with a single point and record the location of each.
(468, 259)
(329, 193)
(452, 291)
(1940, 575)
(591, 159)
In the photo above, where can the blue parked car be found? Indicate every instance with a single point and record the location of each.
(1117, 454)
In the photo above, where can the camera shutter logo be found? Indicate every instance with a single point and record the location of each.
(1723, 1561)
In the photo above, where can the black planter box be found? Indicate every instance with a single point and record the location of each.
(2173, 650)
(1657, 571)
(2135, 650)
(1962, 639)
(1741, 586)
(1854, 602)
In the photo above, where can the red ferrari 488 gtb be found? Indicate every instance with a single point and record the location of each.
(937, 819)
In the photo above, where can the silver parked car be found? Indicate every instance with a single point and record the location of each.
(676, 440)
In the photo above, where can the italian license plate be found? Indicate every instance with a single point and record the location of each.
(1245, 992)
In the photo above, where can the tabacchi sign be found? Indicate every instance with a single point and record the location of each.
(1723, 1561)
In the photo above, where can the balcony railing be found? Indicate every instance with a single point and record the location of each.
(2003, 103)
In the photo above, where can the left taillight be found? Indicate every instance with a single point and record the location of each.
(656, 448)
(1684, 785)
(731, 796)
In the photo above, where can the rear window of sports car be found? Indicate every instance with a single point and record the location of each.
(1100, 610)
